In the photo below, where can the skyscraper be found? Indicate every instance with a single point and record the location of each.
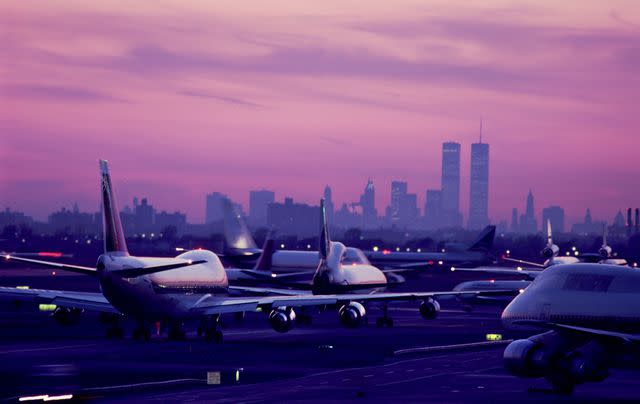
(368, 204)
(328, 203)
(433, 209)
(451, 184)
(258, 203)
(398, 192)
(528, 222)
(214, 210)
(479, 190)
(555, 215)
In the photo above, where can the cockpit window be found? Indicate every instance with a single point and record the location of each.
(588, 282)
(354, 256)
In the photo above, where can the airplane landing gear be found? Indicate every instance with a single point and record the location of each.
(211, 329)
(142, 332)
(176, 331)
(114, 329)
(385, 320)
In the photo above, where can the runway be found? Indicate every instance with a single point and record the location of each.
(317, 362)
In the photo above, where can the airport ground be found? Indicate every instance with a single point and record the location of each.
(317, 362)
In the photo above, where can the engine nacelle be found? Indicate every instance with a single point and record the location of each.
(429, 309)
(605, 252)
(282, 319)
(352, 315)
(524, 358)
(550, 251)
(67, 316)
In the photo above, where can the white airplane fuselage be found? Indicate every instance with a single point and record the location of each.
(588, 295)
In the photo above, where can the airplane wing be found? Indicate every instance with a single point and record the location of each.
(529, 273)
(529, 263)
(220, 305)
(125, 272)
(268, 291)
(80, 300)
(58, 265)
(635, 338)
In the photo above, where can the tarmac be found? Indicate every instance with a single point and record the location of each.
(446, 360)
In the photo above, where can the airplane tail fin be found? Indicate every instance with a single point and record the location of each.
(236, 233)
(114, 240)
(325, 242)
(265, 261)
(549, 234)
(484, 242)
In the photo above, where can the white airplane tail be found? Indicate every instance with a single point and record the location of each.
(550, 250)
(114, 240)
(330, 266)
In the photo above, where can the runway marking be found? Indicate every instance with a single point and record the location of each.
(366, 376)
(346, 380)
(448, 347)
(46, 349)
(125, 386)
(433, 375)
(389, 372)
(410, 370)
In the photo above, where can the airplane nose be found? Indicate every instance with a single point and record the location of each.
(515, 310)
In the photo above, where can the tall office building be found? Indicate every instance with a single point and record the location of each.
(214, 210)
(433, 209)
(451, 184)
(479, 190)
(398, 192)
(328, 204)
(258, 204)
(528, 222)
(555, 215)
(368, 204)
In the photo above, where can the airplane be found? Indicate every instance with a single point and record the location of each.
(478, 253)
(603, 256)
(277, 266)
(590, 323)
(337, 272)
(193, 285)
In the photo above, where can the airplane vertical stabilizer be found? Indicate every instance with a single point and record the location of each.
(114, 240)
(484, 242)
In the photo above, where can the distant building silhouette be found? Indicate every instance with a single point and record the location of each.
(589, 226)
(328, 204)
(258, 204)
(433, 209)
(515, 226)
(368, 204)
(479, 189)
(291, 218)
(403, 209)
(451, 184)
(528, 222)
(214, 207)
(555, 215)
(398, 193)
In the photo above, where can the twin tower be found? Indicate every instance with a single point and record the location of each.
(442, 207)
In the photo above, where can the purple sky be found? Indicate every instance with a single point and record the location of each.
(184, 98)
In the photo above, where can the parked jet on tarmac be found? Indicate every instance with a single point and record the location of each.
(591, 318)
(478, 253)
(193, 285)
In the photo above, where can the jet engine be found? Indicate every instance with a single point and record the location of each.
(550, 251)
(429, 309)
(67, 316)
(605, 251)
(352, 315)
(282, 319)
(562, 366)
(525, 358)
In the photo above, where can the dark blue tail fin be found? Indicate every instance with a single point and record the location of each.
(114, 241)
(484, 242)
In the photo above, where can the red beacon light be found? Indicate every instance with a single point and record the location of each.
(50, 254)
